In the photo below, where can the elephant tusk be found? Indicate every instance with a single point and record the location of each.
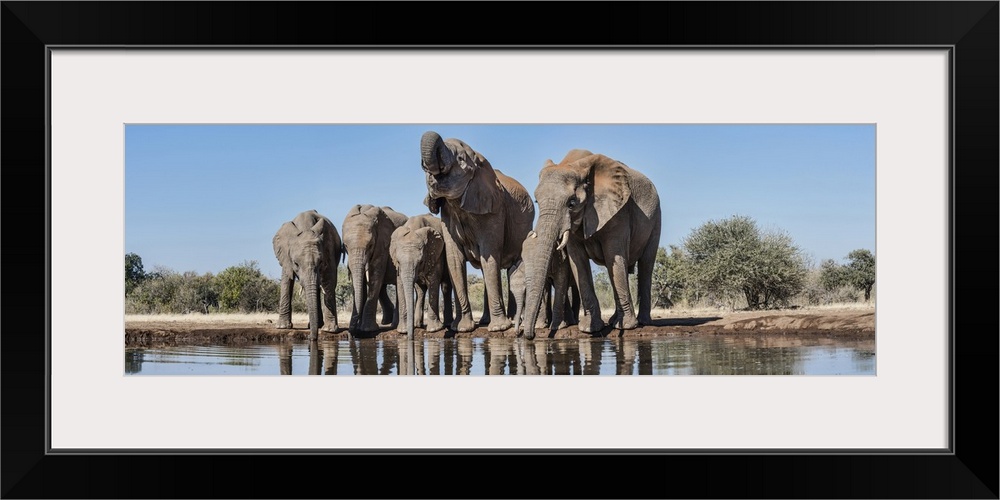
(533, 234)
(564, 241)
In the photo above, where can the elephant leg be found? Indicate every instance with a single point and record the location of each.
(558, 301)
(456, 269)
(388, 310)
(579, 264)
(544, 307)
(511, 301)
(446, 297)
(484, 319)
(285, 300)
(646, 262)
(491, 275)
(573, 303)
(433, 321)
(618, 274)
(329, 287)
(418, 306)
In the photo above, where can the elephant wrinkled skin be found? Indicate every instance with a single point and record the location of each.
(598, 209)
(367, 233)
(417, 251)
(309, 249)
(486, 215)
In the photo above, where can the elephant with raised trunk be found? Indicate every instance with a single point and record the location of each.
(486, 215)
(417, 251)
(596, 208)
(367, 233)
(560, 304)
(309, 249)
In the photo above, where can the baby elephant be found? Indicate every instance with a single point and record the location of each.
(417, 251)
(309, 250)
(564, 307)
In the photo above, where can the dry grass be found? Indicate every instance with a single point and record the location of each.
(343, 316)
(229, 318)
(721, 311)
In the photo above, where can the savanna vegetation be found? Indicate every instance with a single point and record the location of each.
(729, 263)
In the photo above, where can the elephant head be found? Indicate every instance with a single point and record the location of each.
(308, 248)
(576, 199)
(457, 172)
(417, 255)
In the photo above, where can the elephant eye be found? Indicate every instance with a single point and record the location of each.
(572, 202)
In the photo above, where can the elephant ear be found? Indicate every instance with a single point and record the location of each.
(608, 190)
(281, 241)
(432, 204)
(482, 194)
(435, 246)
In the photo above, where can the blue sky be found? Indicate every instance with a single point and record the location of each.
(205, 197)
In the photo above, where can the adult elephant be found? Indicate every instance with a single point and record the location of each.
(417, 251)
(367, 233)
(597, 208)
(309, 249)
(487, 216)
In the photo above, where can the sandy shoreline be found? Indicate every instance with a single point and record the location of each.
(847, 322)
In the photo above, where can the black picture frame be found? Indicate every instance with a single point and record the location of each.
(970, 29)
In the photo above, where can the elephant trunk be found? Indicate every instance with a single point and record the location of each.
(435, 157)
(411, 315)
(536, 270)
(357, 264)
(309, 286)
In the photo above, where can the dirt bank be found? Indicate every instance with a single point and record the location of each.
(856, 323)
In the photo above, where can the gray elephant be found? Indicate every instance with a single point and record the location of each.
(560, 304)
(367, 233)
(417, 251)
(309, 249)
(597, 208)
(487, 216)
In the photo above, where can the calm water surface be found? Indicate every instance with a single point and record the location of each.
(695, 355)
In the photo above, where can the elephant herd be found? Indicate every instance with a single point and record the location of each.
(590, 208)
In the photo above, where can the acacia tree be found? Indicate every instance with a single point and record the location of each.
(245, 288)
(861, 271)
(732, 258)
(831, 275)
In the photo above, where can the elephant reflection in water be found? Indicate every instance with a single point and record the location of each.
(433, 356)
(285, 359)
(591, 353)
(329, 351)
(364, 355)
(501, 356)
(627, 352)
(408, 348)
(565, 359)
(527, 358)
(465, 351)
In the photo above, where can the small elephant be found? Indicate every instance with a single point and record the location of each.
(367, 233)
(597, 208)
(560, 304)
(309, 249)
(486, 215)
(417, 251)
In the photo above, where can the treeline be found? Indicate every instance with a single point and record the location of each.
(729, 263)
(733, 264)
(241, 288)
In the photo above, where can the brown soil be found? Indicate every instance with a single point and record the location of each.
(849, 323)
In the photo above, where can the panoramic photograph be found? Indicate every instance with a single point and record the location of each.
(466, 249)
